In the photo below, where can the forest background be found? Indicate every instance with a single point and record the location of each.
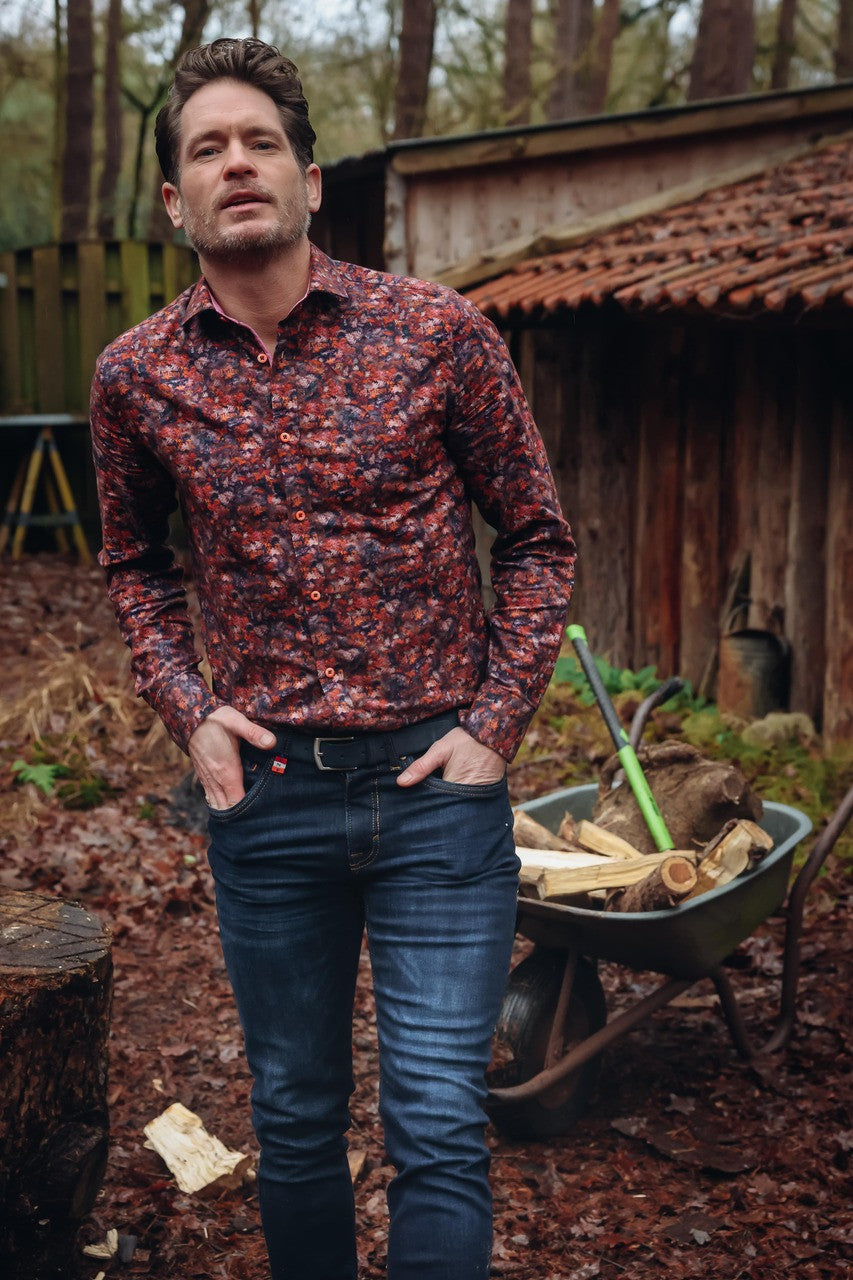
(80, 82)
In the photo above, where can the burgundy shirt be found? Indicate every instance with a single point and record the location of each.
(326, 494)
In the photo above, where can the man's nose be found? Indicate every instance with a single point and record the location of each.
(238, 159)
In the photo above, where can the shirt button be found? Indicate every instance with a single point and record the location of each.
(329, 672)
(284, 436)
(315, 595)
(299, 515)
(262, 357)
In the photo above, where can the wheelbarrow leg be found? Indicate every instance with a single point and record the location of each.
(793, 911)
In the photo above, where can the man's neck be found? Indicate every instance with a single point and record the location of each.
(260, 295)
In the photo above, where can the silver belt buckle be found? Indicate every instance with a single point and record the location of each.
(318, 757)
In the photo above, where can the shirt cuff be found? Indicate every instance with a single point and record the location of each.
(182, 703)
(498, 718)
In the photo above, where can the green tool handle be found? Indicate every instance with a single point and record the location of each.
(627, 756)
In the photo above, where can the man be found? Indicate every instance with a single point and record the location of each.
(326, 428)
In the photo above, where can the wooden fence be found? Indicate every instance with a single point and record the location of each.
(60, 305)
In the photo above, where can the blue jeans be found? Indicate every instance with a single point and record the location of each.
(301, 865)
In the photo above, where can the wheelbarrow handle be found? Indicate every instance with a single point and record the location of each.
(662, 694)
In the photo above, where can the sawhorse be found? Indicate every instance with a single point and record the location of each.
(19, 508)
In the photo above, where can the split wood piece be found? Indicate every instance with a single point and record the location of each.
(605, 842)
(195, 1158)
(609, 873)
(55, 988)
(568, 829)
(739, 844)
(666, 886)
(558, 859)
(532, 835)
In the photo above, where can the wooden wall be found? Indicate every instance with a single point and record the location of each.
(679, 444)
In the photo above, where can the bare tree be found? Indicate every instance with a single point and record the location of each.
(79, 113)
(573, 32)
(780, 72)
(844, 42)
(111, 167)
(417, 37)
(518, 50)
(724, 55)
(607, 29)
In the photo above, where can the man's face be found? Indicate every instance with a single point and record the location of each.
(240, 191)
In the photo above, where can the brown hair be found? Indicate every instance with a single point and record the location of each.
(258, 64)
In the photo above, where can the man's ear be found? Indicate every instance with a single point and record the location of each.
(314, 183)
(172, 201)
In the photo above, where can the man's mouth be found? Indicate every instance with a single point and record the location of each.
(243, 200)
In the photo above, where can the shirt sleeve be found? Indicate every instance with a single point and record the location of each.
(500, 455)
(144, 583)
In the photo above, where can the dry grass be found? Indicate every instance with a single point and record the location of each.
(72, 701)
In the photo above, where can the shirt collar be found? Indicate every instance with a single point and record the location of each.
(325, 276)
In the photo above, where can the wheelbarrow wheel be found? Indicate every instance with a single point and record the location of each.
(521, 1043)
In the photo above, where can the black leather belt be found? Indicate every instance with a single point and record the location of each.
(354, 751)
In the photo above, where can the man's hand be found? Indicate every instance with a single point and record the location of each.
(215, 752)
(462, 758)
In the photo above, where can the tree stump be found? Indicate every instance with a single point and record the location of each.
(55, 987)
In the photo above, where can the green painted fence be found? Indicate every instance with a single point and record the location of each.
(60, 304)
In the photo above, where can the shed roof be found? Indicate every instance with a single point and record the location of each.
(781, 240)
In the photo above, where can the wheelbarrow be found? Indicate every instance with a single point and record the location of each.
(553, 1023)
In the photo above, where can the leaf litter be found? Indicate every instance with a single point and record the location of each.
(688, 1160)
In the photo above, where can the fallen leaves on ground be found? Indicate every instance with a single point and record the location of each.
(689, 1162)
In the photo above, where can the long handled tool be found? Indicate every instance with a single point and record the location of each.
(624, 750)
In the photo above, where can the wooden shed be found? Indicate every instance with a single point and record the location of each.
(691, 374)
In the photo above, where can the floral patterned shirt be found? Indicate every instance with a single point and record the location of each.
(326, 495)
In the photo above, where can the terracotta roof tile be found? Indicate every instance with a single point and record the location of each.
(783, 239)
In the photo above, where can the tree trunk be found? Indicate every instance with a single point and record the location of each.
(725, 50)
(844, 43)
(573, 56)
(59, 62)
(108, 183)
(518, 48)
(417, 35)
(782, 54)
(55, 984)
(196, 13)
(607, 29)
(79, 113)
(255, 18)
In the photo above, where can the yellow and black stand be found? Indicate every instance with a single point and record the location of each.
(19, 507)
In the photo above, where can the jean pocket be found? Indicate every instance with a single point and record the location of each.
(435, 782)
(257, 771)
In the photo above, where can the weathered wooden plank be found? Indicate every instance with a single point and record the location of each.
(657, 541)
(805, 575)
(706, 409)
(838, 690)
(135, 281)
(92, 301)
(771, 490)
(49, 350)
(10, 341)
(740, 460)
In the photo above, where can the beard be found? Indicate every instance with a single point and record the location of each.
(247, 240)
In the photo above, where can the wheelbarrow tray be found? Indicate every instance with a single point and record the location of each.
(686, 941)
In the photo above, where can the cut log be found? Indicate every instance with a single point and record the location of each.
(599, 840)
(731, 852)
(609, 873)
(558, 859)
(196, 1159)
(664, 887)
(567, 829)
(55, 987)
(695, 796)
(532, 835)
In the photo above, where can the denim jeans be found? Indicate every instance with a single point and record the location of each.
(302, 864)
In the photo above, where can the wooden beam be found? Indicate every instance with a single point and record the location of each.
(49, 352)
(838, 692)
(10, 342)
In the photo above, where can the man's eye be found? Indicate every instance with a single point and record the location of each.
(264, 146)
(205, 151)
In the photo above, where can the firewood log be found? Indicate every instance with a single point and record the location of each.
(729, 854)
(609, 873)
(667, 885)
(532, 835)
(591, 836)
